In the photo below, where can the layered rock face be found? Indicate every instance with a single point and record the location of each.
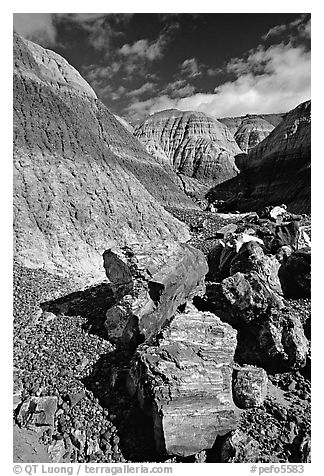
(277, 170)
(234, 123)
(184, 381)
(251, 132)
(195, 144)
(81, 180)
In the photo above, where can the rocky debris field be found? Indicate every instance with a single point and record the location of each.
(91, 396)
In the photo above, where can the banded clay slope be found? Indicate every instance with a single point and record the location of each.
(81, 180)
(252, 131)
(196, 145)
(278, 169)
(234, 123)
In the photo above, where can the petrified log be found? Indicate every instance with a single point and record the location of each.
(184, 381)
(150, 281)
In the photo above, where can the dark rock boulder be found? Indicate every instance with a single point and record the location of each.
(184, 381)
(253, 286)
(286, 234)
(282, 341)
(249, 386)
(295, 274)
(150, 281)
(249, 296)
(238, 447)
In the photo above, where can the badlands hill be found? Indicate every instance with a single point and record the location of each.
(277, 170)
(251, 132)
(81, 180)
(194, 144)
(233, 123)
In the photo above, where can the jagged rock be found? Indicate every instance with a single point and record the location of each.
(184, 381)
(249, 386)
(38, 412)
(282, 341)
(295, 274)
(81, 180)
(252, 131)
(252, 258)
(253, 286)
(195, 144)
(151, 280)
(286, 234)
(224, 252)
(305, 450)
(238, 447)
(249, 296)
(277, 170)
(304, 240)
(283, 254)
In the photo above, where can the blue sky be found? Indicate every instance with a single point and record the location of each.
(221, 64)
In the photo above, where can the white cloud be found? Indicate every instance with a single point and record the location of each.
(190, 68)
(273, 79)
(179, 88)
(143, 49)
(301, 26)
(38, 27)
(145, 88)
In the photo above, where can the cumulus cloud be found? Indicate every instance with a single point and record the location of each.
(38, 27)
(273, 79)
(179, 88)
(144, 89)
(143, 49)
(149, 50)
(301, 27)
(190, 68)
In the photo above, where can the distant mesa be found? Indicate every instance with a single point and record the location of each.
(193, 143)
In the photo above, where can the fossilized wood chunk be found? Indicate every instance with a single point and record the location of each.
(295, 274)
(150, 281)
(184, 382)
(249, 386)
